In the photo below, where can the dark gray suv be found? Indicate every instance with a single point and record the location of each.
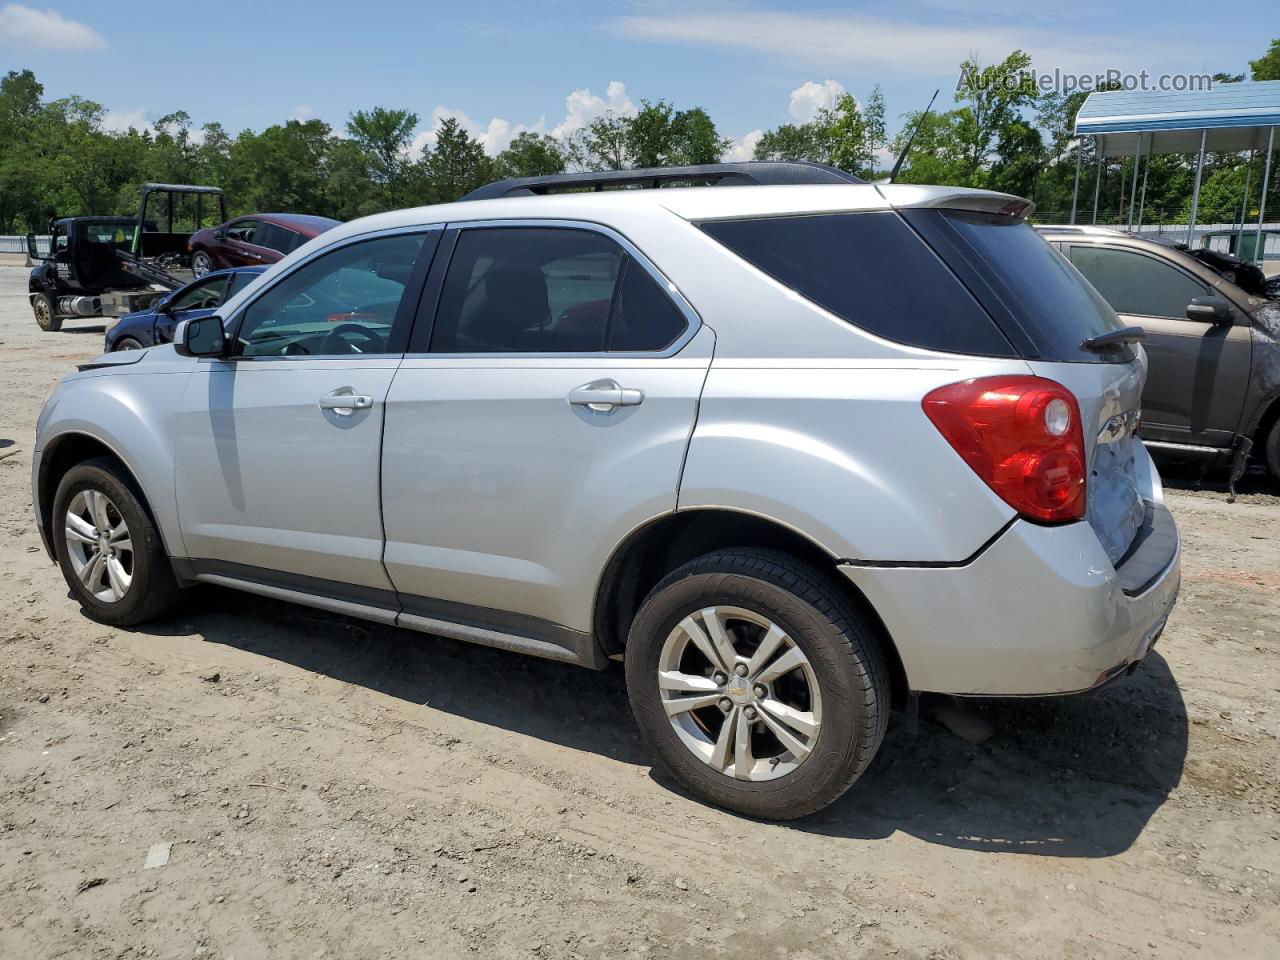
(1213, 382)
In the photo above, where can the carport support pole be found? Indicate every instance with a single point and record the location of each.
(1262, 203)
(1142, 201)
(1075, 190)
(1195, 192)
(1124, 192)
(1097, 179)
(1133, 191)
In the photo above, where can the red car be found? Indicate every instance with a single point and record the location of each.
(256, 240)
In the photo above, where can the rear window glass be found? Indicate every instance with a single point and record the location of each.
(1030, 285)
(871, 270)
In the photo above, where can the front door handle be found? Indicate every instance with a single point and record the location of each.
(603, 396)
(345, 401)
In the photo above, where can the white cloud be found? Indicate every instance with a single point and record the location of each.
(581, 107)
(119, 121)
(22, 26)
(744, 147)
(810, 98)
(303, 112)
(495, 136)
(855, 41)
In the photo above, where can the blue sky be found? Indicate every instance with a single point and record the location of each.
(506, 66)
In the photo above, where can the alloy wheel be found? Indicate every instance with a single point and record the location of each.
(99, 545)
(201, 264)
(739, 693)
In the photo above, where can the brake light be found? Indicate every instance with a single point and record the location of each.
(1022, 436)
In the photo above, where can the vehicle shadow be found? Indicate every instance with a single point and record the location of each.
(555, 702)
(96, 328)
(1061, 776)
(1065, 777)
(1190, 474)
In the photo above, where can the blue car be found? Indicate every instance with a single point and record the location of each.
(201, 297)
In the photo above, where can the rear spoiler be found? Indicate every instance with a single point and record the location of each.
(901, 195)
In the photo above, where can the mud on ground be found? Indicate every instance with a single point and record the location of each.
(335, 788)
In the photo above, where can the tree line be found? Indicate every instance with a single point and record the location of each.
(56, 158)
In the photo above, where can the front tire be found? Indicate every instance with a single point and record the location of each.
(761, 688)
(201, 264)
(109, 550)
(126, 343)
(46, 313)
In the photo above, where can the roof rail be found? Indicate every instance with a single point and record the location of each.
(748, 173)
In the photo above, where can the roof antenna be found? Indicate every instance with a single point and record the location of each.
(893, 174)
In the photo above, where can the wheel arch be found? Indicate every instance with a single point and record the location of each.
(65, 451)
(664, 543)
(1267, 416)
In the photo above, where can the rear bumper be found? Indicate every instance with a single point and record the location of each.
(1041, 611)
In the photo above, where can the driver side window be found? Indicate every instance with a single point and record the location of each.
(343, 303)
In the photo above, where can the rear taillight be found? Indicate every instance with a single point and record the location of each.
(1022, 436)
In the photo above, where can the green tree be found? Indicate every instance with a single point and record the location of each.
(993, 98)
(1267, 66)
(791, 142)
(695, 138)
(604, 146)
(384, 137)
(661, 136)
(856, 135)
(455, 166)
(938, 153)
(1019, 160)
(530, 155)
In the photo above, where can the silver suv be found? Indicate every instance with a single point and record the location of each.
(793, 453)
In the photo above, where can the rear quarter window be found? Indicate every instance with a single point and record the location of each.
(1041, 302)
(871, 270)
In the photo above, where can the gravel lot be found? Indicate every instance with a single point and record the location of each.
(334, 788)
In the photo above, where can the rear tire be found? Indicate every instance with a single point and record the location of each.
(201, 264)
(143, 568)
(45, 310)
(831, 732)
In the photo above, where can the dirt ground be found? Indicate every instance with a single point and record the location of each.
(337, 789)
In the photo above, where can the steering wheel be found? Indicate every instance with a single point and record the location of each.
(334, 343)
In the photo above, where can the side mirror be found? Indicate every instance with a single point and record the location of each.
(219, 234)
(202, 337)
(1210, 309)
(32, 253)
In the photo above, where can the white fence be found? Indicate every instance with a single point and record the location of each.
(19, 245)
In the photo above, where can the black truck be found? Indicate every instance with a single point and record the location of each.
(110, 266)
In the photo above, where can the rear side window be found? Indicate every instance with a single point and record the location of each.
(1031, 290)
(276, 237)
(871, 270)
(645, 317)
(549, 290)
(1136, 284)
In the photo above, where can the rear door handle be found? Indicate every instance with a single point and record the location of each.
(345, 401)
(603, 396)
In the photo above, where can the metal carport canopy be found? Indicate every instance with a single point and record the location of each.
(1233, 116)
(1227, 118)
